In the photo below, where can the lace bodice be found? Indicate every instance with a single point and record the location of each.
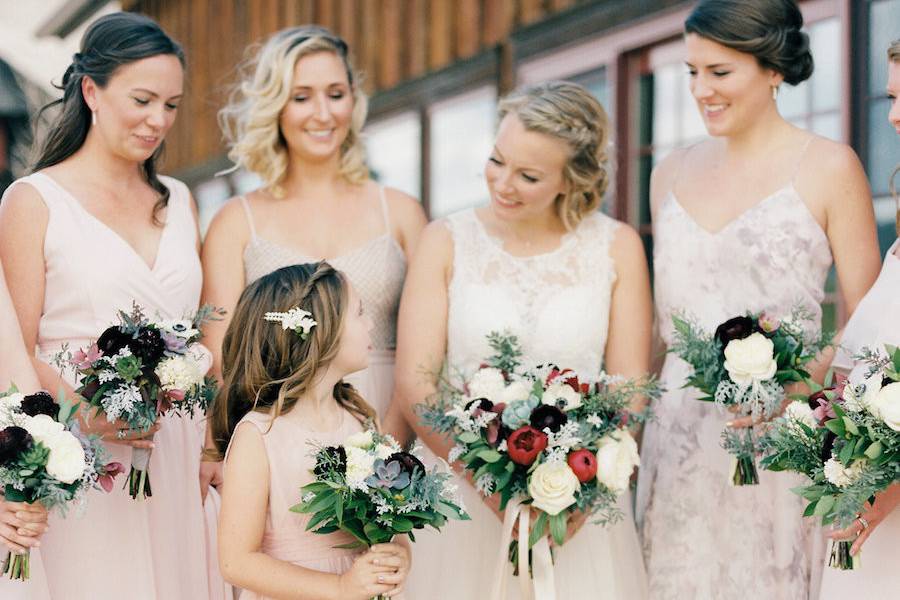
(376, 269)
(556, 303)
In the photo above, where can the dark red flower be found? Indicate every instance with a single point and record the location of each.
(827, 445)
(114, 339)
(583, 463)
(735, 329)
(329, 457)
(13, 441)
(820, 403)
(496, 431)
(40, 403)
(525, 443)
(547, 415)
(408, 462)
(150, 345)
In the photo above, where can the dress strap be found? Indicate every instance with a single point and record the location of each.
(384, 209)
(801, 157)
(249, 214)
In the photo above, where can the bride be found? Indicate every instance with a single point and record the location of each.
(541, 262)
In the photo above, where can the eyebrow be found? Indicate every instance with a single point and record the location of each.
(309, 87)
(154, 94)
(715, 66)
(521, 167)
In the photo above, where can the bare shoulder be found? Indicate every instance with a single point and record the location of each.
(831, 174)
(247, 445)
(23, 201)
(402, 204)
(627, 248)
(437, 240)
(230, 221)
(826, 158)
(664, 176)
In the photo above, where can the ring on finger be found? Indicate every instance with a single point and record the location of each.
(863, 522)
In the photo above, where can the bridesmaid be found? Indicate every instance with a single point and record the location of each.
(21, 524)
(91, 230)
(750, 219)
(875, 322)
(295, 122)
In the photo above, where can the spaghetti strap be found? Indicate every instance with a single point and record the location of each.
(801, 157)
(384, 209)
(249, 214)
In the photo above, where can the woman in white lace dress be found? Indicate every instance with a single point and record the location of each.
(541, 262)
(751, 219)
(876, 322)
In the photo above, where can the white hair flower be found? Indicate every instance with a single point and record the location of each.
(297, 319)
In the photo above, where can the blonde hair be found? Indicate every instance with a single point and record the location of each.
(249, 121)
(267, 368)
(568, 112)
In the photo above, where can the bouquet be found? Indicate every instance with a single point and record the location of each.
(544, 439)
(45, 458)
(847, 441)
(139, 370)
(745, 366)
(371, 489)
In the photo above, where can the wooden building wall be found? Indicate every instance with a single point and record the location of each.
(391, 41)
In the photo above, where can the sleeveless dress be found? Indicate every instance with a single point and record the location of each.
(558, 305)
(377, 270)
(288, 448)
(704, 539)
(119, 547)
(875, 322)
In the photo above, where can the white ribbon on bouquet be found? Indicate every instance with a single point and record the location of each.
(541, 585)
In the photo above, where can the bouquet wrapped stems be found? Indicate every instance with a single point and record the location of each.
(139, 475)
(17, 566)
(840, 557)
(745, 472)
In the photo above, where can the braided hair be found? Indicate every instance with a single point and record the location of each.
(110, 42)
(267, 368)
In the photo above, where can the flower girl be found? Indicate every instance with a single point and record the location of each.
(294, 335)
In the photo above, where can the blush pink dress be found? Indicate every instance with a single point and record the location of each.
(119, 547)
(289, 449)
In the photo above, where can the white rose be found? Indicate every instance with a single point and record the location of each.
(801, 413)
(487, 383)
(617, 456)
(360, 439)
(179, 373)
(750, 359)
(359, 466)
(42, 428)
(552, 486)
(840, 475)
(515, 391)
(851, 401)
(66, 460)
(383, 451)
(871, 388)
(561, 395)
(886, 405)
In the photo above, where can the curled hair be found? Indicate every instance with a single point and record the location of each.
(770, 30)
(111, 41)
(894, 56)
(267, 368)
(250, 120)
(568, 112)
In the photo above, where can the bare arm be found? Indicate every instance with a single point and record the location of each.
(15, 366)
(407, 219)
(631, 312)
(242, 523)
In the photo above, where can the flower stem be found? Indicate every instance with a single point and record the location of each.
(18, 566)
(840, 557)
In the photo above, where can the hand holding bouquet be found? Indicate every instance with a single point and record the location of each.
(139, 370)
(745, 366)
(373, 490)
(45, 458)
(544, 439)
(847, 441)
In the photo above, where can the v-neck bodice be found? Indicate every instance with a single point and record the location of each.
(91, 272)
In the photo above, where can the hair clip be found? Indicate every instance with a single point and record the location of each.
(299, 320)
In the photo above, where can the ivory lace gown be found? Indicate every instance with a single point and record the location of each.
(704, 539)
(558, 305)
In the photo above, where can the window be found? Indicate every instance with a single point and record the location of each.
(882, 147)
(461, 138)
(393, 146)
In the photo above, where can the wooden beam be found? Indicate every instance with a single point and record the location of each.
(388, 51)
(440, 40)
(499, 17)
(468, 28)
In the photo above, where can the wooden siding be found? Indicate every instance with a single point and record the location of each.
(391, 41)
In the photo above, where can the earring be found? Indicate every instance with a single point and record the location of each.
(774, 92)
(93, 117)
